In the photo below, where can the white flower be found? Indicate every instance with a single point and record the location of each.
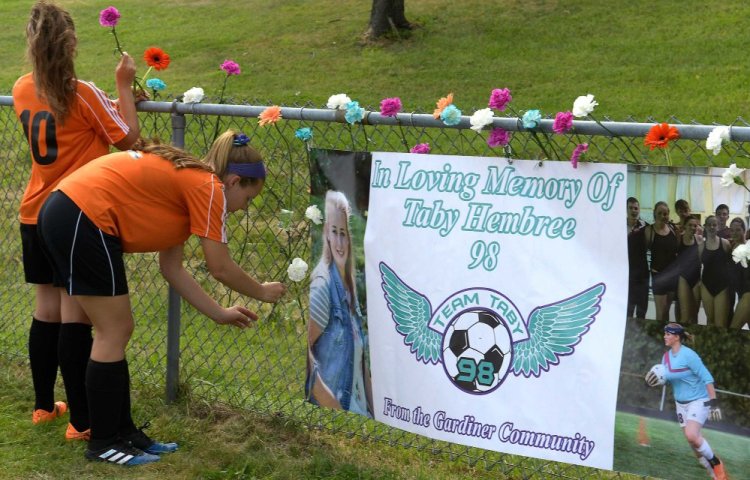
(314, 215)
(338, 101)
(194, 95)
(715, 139)
(584, 105)
(297, 270)
(741, 254)
(481, 119)
(732, 175)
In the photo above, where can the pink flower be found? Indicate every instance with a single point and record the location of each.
(500, 98)
(579, 150)
(389, 107)
(498, 138)
(109, 17)
(563, 122)
(420, 148)
(232, 68)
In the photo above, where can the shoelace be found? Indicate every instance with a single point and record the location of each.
(140, 436)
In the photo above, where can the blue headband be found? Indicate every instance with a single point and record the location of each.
(674, 329)
(248, 170)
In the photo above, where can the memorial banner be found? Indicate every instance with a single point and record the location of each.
(496, 297)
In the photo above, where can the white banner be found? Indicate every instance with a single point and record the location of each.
(496, 296)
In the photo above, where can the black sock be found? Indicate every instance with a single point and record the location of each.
(105, 384)
(714, 461)
(126, 419)
(43, 358)
(74, 350)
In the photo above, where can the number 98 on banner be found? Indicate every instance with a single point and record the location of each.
(477, 351)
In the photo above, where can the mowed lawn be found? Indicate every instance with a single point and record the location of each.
(668, 454)
(640, 58)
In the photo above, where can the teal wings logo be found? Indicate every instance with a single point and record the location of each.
(480, 337)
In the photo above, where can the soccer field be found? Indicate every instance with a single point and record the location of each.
(669, 456)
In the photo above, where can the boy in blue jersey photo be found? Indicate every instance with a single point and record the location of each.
(694, 393)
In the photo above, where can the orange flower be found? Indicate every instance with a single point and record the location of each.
(441, 104)
(157, 58)
(270, 115)
(660, 135)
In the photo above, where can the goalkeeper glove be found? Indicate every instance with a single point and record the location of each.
(715, 412)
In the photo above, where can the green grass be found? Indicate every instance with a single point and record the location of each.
(215, 443)
(640, 58)
(669, 455)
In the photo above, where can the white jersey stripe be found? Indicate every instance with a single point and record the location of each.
(109, 259)
(224, 219)
(108, 105)
(210, 204)
(72, 247)
(83, 100)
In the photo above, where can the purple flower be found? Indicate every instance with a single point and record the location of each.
(498, 138)
(389, 107)
(563, 122)
(420, 148)
(577, 153)
(232, 68)
(500, 98)
(109, 17)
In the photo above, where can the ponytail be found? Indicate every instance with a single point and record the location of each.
(231, 147)
(51, 48)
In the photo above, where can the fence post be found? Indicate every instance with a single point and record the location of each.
(174, 300)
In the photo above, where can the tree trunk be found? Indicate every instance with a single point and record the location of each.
(385, 16)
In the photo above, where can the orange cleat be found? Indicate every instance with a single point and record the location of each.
(72, 434)
(719, 472)
(41, 416)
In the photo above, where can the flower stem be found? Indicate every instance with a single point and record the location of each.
(117, 42)
(635, 158)
(403, 136)
(221, 100)
(351, 134)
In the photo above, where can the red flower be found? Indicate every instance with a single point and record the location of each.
(157, 58)
(660, 135)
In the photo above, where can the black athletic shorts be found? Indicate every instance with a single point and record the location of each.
(85, 260)
(37, 268)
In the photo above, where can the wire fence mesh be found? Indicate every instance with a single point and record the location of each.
(263, 369)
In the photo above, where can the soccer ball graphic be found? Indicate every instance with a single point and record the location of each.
(659, 373)
(477, 351)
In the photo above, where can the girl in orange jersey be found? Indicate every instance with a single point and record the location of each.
(67, 123)
(150, 200)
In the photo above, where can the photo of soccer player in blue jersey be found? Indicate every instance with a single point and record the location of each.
(694, 394)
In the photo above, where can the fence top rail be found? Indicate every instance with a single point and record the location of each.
(583, 127)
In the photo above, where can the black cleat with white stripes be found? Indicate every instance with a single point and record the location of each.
(121, 453)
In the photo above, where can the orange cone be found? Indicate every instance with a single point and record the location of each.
(643, 439)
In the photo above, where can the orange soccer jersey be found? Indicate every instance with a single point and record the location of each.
(92, 125)
(148, 203)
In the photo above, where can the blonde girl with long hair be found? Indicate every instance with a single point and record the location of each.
(146, 200)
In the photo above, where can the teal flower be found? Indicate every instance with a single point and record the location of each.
(155, 84)
(354, 113)
(531, 119)
(451, 115)
(304, 134)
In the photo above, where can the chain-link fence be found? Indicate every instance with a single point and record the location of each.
(263, 369)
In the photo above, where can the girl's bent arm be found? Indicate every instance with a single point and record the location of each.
(170, 264)
(224, 269)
